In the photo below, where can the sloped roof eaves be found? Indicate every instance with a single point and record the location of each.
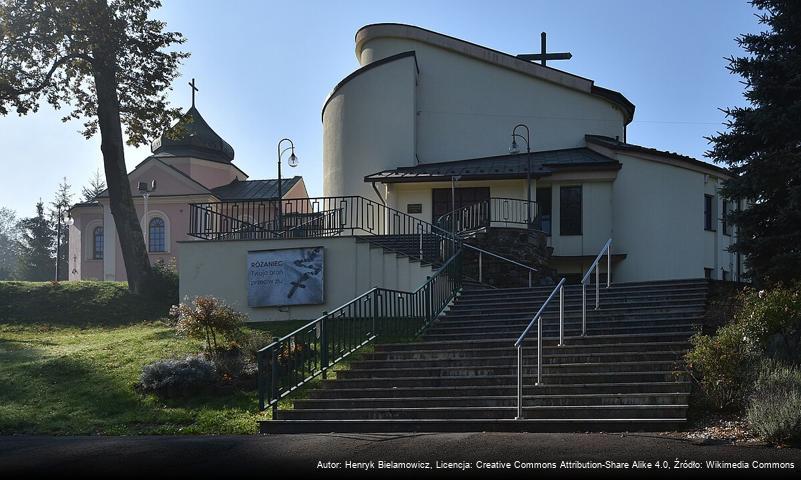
(500, 167)
(629, 147)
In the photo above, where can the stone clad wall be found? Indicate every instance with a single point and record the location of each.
(528, 247)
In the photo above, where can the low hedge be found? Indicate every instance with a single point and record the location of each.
(76, 303)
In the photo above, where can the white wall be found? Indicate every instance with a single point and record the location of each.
(369, 126)
(468, 107)
(219, 268)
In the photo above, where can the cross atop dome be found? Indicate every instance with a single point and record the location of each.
(194, 89)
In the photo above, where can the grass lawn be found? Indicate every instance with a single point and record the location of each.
(71, 354)
(73, 380)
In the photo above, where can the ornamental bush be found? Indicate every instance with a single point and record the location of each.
(774, 410)
(207, 318)
(766, 324)
(171, 378)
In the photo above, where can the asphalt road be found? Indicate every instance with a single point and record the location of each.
(322, 455)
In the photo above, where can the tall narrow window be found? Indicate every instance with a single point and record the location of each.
(725, 218)
(709, 205)
(570, 210)
(544, 209)
(97, 243)
(156, 235)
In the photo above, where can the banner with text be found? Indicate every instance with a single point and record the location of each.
(290, 276)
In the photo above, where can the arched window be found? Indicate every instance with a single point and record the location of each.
(157, 238)
(97, 243)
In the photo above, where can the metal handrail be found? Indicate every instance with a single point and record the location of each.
(323, 215)
(560, 287)
(481, 251)
(607, 248)
(311, 350)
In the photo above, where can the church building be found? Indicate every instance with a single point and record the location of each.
(426, 123)
(190, 164)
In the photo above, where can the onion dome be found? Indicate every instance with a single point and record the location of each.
(191, 136)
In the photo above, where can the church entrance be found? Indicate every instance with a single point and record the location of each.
(462, 197)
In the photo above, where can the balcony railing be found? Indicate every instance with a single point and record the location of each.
(495, 212)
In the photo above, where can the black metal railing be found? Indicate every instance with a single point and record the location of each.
(317, 217)
(310, 351)
(497, 211)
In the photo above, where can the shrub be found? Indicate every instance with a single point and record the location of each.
(171, 378)
(721, 364)
(206, 318)
(164, 282)
(774, 410)
(765, 324)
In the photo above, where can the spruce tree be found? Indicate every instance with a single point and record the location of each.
(36, 256)
(762, 145)
(96, 186)
(9, 238)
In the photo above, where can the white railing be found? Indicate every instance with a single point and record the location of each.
(560, 287)
(607, 248)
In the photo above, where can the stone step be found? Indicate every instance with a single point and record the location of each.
(339, 391)
(685, 328)
(471, 425)
(553, 324)
(468, 302)
(605, 311)
(571, 340)
(487, 380)
(549, 349)
(574, 291)
(671, 398)
(529, 369)
(678, 412)
(511, 359)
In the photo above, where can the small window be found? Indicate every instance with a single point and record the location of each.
(570, 210)
(709, 205)
(157, 235)
(544, 209)
(708, 273)
(724, 218)
(97, 243)
(725, 275)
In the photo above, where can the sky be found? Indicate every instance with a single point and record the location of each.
(264, 69)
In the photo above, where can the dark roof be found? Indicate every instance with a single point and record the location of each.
(499, 167)
(92, 203)
(615, 144)
(254, 189)
(191, 136)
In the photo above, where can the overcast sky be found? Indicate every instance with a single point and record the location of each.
(264, 69)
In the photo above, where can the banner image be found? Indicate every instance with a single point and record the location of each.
(290, 276)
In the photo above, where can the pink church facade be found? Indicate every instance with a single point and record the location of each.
(190, 164)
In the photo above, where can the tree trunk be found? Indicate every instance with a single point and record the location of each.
(126, 220)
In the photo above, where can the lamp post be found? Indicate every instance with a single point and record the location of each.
(514, 149)
(293, 162)
(68, 221)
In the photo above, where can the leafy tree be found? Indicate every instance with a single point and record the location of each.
(111, 65)
(36, 260)
(9, 236)
(59, 207)
(96, 186)
(762, 145)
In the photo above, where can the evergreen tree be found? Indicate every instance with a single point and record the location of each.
(36, 259)
(96, 186)
(59, 207)
(9, 237)
(762, 145)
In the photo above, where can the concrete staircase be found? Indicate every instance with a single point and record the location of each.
(461, 375)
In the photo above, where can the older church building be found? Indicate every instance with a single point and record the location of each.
(190, 164)
(426, 123)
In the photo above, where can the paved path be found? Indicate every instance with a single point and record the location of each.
(267, 455)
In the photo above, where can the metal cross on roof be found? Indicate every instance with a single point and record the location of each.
(543, 56)
(194, 89)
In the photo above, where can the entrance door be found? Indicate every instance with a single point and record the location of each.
(442, 202)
